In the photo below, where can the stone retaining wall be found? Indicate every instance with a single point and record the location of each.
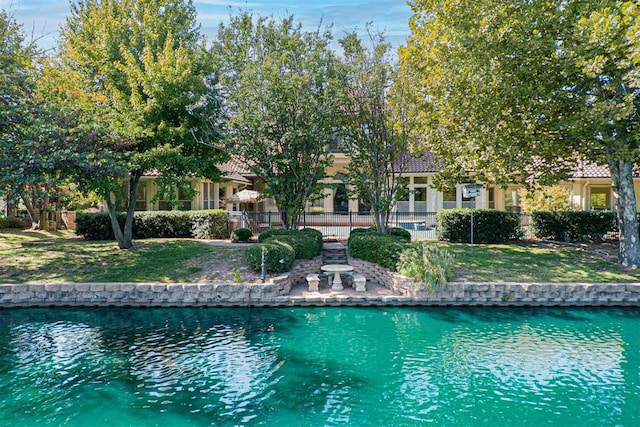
(276, 294)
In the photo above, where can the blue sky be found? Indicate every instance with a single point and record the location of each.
(42, 18)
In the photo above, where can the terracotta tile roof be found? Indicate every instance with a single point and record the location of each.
(422, 163)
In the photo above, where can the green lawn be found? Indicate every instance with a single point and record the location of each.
(69, 259)
(524, 262)
(157, 260)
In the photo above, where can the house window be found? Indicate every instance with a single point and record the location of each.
(402, 204)
(340, 199)
(449, 198)
(512, 199)
(208, 192)
(364, 205)
(600, 198)
(183, 203)
(491, 198)
(141, 197)
(420, 199)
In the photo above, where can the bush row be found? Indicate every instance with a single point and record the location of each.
(574, 225)
(12, 223)
(282, 247)
(379, 248)
(489, 226)
(207, 224)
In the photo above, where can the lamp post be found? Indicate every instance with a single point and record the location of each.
(263, 274)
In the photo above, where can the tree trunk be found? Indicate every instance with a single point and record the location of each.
(625, 202)
(124, 237)
(32, 213)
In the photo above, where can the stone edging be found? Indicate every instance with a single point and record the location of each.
(274, 294)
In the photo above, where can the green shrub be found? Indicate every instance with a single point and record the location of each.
(589, 224)
(575, 225)
(317, 238)
(489, 226)
(209, 224)
(96, 226)
(307, 243)
(549, 225)
(382, 249)
(274, 253)
(400, 232)
(12, 222)
(241, 235)
(427, 264)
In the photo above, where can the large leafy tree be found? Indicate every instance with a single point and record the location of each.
(146, 65)
(526, 88)
(376, 132)
(281, 99)
(46, 138)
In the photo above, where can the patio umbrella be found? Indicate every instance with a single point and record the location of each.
(245, 196)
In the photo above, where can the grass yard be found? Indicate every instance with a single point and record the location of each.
(528, 262)
(65, 258)
(157, 260)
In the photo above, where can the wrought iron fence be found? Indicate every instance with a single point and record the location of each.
(421, 225)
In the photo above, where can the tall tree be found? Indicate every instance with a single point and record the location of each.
(45, 138)
(376, 137)
(526, 88)
(281, 99)
(146, 64)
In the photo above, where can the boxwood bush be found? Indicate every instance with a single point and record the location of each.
(574, 225)
(208, 224)
(489, 226)
(382, 249)
(400, 232)
(307, 243)
(12, 222)
(274, 252)
(241, 234)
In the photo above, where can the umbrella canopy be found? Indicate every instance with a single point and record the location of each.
(245, 196)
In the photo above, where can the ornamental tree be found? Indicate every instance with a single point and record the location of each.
(145, 64)
(525, 89)
(280, 87)
(376, 132)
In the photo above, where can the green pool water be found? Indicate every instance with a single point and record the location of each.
(320, 366)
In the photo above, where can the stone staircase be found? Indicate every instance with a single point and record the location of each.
(334, 253)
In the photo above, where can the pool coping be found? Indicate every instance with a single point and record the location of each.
(274, 294)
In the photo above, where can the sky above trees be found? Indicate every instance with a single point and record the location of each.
(42, 18)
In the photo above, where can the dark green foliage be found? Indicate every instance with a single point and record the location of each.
(241, 235)
(549, 225)
(489, 226)
(400, 232)
(575, 225)
(307, 243)
(275, 252)
(209, 224)
(12, 223)
(382, 249)
(316, 236)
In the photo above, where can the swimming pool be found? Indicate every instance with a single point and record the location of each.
(320, 366)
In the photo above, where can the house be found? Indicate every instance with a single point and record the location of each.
(589, 188)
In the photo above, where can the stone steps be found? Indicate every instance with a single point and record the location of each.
(334, 253)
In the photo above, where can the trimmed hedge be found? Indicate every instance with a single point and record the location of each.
(241, 234)
(12, 222)
(400, 232)
(379, 248)
(307, 243)
(274, 252)
(207, 224)
(489, 226)
(574, 225)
